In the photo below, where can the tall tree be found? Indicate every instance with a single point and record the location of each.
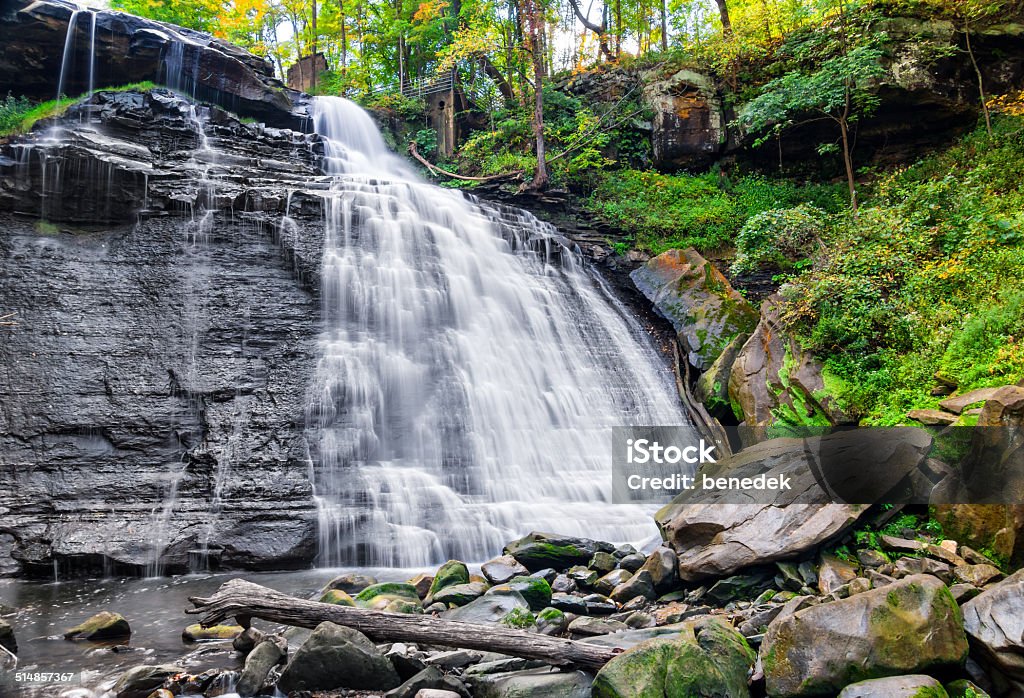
(601, 30)
(532, 13)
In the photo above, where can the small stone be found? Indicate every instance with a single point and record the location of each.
(247, 640)
(551, 621)
(974, 557)
(932, 417)
(950, 545)
(459, 594)
(258, 664)
(633, 562)
(834, 573)
(640, 620)
(102, 626)
(422, 582)
(547, 574)
(140, 681)
(962, 593)
(634, 604)
(640, 584)
(662, 565)
(907, 566)
(351, 583)
(503, 568)
(431, 678)
(608, 582)
(915, 686)
(738, 586)
(603, 562)
(454, 659)
(901, 545)
(808, 573)
(978, 575)
(563, 584)
(945, 555)
(878, 579)
(583, 576)
(535, 590)
(598, 605)
(197, 633)
(569, 603)
(585, 627)
(859, 586)
(380, 595)
(872, 558)
(337, 597)
(788, 576)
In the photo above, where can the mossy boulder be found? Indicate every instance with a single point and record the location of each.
(962, 688)
(460, 594)
(551, 621)
(378, 596)
(907, 627)
(707, 659)
(102, 626)
(538, 551)
(197, 633)
(712, 387)
(705, 310)
(337, 597)
(449, 574)
(535, 590)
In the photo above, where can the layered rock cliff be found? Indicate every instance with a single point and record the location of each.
(162, 316)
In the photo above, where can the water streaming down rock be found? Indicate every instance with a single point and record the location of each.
(471, 370)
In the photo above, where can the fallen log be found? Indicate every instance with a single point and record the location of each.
(244, 601)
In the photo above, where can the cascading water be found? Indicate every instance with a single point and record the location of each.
(471, 372)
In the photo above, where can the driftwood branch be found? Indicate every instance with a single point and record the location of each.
(245, 600)
(434, 169)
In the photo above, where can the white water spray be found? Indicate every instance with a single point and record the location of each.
(471, 371)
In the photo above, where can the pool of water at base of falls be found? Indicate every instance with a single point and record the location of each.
(41, 612)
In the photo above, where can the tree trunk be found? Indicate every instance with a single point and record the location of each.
(723, 11)
(499, 80)
(344, 41)
(618, 29)
(981, 81)
(844, 129)
(245, 601)
(536, 19)
(314, 76)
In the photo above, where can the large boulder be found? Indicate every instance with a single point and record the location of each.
(906, 627)
(705, 310)
(716, 532)
(131, 49)
(489, 608)
(705, 659)
(449, 574)
(535, 590)
(774, 379)
(337, 657)
(994, 621)
(379, 596)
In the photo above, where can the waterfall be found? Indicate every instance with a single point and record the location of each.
(67, 63)
(471, 370)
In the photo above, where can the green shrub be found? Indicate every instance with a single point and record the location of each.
(778, 238)
(12, 111)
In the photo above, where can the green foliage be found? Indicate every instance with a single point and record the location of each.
(426, 141)
(927, 278)
(397, 104)
(12, 111)
(704, 211)
(778, 238)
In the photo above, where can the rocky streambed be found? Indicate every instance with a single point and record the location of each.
(890, 619)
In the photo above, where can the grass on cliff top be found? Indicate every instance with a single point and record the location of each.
(18, 114)
(706, 211)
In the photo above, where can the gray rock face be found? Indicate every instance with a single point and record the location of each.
(994, 621)
(7, 639)
(909, 626)
(154, 363)
(337, 657)
(716, 532)
(536, 683)
(131, 49)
